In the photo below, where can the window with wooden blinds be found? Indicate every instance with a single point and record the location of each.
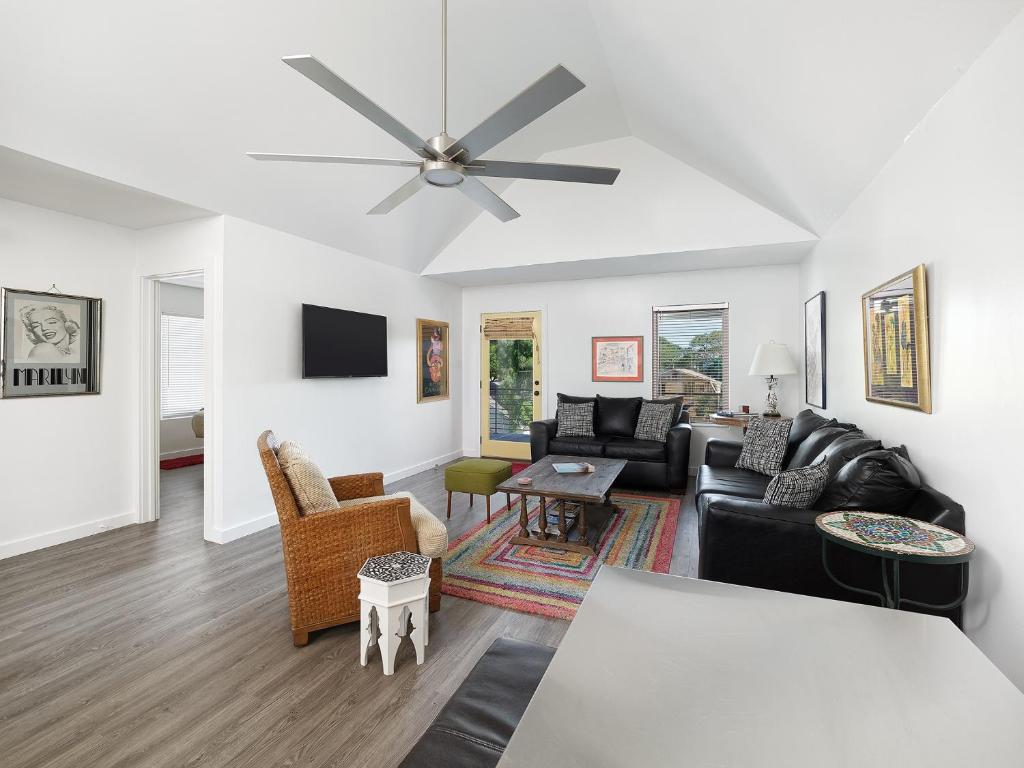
(509, 327)
(691, 356)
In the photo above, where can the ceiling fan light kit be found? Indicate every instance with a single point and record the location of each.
(446, 162)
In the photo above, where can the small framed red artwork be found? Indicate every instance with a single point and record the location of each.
(618, 358)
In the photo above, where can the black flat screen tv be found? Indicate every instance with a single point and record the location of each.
(337, 343)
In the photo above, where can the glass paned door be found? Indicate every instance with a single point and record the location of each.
(510, 382)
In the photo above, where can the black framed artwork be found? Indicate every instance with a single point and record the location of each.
(814, 350)
(49, 344)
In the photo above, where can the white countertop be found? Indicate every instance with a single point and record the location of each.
(660, 670)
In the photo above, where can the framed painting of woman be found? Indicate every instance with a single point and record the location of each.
(431, 360)
(49, 344)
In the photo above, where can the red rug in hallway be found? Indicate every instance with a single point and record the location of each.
(181, 461)
(519, 466)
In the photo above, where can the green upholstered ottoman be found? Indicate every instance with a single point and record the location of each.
(474, 476)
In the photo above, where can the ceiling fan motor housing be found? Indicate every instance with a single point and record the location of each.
(442, 173)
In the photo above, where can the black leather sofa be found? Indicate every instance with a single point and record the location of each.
(474, 727)
(649, 463)
(745, 541)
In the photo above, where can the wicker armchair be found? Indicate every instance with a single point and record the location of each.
(324, 551)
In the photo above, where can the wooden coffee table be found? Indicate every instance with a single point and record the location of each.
(582, 502)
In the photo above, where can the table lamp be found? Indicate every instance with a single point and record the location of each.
(772, 360)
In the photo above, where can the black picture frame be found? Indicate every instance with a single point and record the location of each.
(815, 363)
(50, 344)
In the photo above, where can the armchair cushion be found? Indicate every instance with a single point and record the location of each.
(431, 535)
(310, 487)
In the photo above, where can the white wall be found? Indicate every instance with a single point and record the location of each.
(67, 464)
(181, 300)
(953, 198)
(347, 425)
(176, 435)
(763, 305)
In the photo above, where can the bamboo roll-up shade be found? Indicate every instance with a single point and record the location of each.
(509, 327)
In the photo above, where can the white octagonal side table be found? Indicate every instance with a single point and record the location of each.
(390, 585)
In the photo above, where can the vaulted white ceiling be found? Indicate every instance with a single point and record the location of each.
(658, 206)
(795, 104)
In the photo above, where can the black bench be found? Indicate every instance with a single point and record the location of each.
(474, 727)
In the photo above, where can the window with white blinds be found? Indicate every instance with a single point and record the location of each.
(691, 356)
(181, 366)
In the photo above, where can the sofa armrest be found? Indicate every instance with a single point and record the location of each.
(722, 453)
(357, 486)
(540, 433)
(677, 455)
(745, 541)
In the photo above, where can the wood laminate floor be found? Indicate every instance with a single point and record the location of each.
(149, 647)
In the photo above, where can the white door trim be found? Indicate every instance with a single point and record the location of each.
(149, 399)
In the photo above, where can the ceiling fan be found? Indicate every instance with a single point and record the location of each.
(446, 162)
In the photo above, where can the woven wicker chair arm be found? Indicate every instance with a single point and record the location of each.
(386, 523)
(357, 486)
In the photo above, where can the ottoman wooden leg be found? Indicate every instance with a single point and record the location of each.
(488, 509)
(471, 501)
(449, 505)
(508, 501)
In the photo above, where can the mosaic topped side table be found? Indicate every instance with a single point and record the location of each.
(899, 540)
(392, 589)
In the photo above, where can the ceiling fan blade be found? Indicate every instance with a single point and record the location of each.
(487, 199)
(585, 174)
(399, 196)
(332, 159)
(330, 82)
(545, 94)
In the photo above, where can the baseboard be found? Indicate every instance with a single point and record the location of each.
(62, 535)
(225, 535)
(179, 454)
(401, 474)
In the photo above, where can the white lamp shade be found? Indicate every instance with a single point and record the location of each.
(772, 360)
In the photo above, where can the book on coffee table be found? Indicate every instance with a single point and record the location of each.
(573, 468)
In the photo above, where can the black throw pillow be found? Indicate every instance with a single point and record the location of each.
(844, 448)
(876, 481)
(814, 444)
(804, 423)
(617, 415)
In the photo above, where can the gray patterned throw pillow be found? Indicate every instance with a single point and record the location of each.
(576, 419)
(798, 488)
(764, 445)
(655, 421)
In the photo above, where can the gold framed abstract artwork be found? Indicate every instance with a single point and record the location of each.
(897, 370)
(431, 360)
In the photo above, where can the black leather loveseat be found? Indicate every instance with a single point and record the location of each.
(649, 463)
(746, 541)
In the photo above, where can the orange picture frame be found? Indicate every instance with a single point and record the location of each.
(617, 358)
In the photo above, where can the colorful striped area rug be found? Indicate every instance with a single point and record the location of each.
(483, 565)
